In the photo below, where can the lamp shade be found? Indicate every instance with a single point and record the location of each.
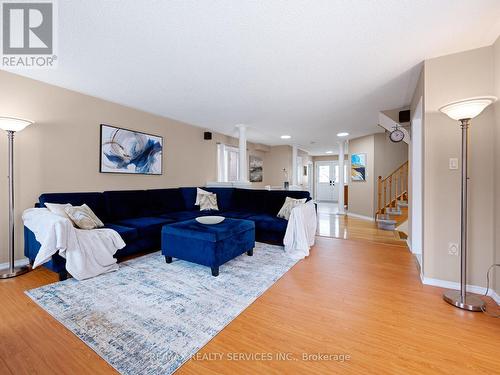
(13, 124)
(467, 108)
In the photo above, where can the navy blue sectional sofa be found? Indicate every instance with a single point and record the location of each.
(139, 215)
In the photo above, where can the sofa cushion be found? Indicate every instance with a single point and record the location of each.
(125, 204)
(146, 226)
(237, 214)
(270, 223)
(127, 234)
(161, 201)
(94, 200)
(188, 215)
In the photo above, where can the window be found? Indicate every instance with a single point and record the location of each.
(324, 174)
(227, 163)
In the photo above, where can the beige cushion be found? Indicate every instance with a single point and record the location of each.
(58, 209)
(290, 204)
(208, 202)
(84, 217)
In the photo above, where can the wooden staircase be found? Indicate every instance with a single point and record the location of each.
(392, 202)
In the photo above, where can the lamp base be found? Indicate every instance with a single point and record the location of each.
(471, 302)
(6, 274)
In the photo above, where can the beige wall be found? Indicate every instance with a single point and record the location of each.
(450, 78)
(361, 193)
(326, 158)
(276, 159)
(388, 157)
(60, 153)
(383, 157)
(496, 52)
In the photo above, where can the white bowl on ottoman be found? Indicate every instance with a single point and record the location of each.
(210, 220)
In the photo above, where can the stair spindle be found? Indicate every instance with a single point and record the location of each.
(390, 191)
(379, 191)
(385, 195)
(396, 188)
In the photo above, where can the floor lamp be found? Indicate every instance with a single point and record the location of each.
(464, 111)
(12, 125)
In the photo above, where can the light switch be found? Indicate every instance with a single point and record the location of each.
(453, 163)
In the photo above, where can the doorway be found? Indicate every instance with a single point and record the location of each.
(325, 178)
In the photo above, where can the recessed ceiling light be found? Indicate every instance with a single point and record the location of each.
(342, 134)
(329, 152)
(286, 136)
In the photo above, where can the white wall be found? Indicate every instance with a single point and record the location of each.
(416, 181)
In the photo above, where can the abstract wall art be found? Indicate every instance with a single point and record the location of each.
(358, 167)
(256, 165)
(128, 151)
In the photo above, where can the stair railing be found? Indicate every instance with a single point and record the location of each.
(392, 189)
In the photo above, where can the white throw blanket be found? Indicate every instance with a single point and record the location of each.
(301, 231)
(88, 253)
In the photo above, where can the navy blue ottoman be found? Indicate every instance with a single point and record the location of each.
(208, 245)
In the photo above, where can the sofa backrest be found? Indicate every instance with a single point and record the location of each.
(126, 204)
(251, 200)
(225, 197)
(94, 200)
(161, 201)
(276, 199)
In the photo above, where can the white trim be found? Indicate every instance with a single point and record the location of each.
(17, 263)
(408, 243)
(360, 216)
(456, 286)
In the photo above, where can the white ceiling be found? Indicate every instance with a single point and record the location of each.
(305, 68)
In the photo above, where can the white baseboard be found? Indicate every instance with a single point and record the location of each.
(456, 286)
(360, 216)
(17, 263)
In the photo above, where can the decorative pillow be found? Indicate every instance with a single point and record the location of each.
(290, 204)
(199, 194)
(58, 209)
(84, 217)
(208, 202)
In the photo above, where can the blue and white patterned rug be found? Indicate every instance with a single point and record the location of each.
(150, 317)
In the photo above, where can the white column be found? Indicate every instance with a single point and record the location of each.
(341, 209)
(243, 167)
(295, 180)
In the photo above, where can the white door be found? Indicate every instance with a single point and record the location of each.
(326, 189)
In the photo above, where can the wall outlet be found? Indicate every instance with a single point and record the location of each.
(453, 163)
(453, 249)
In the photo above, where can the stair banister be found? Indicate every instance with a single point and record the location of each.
(399, 177)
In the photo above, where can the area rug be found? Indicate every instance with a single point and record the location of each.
(150, 317)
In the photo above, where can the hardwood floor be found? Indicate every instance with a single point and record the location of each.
(348, 227)
(356, 298)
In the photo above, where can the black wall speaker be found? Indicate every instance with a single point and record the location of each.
(207, 136)
(404, 116)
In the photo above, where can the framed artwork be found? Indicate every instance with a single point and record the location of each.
(256, 164)
(358, 167)
(129, 151)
